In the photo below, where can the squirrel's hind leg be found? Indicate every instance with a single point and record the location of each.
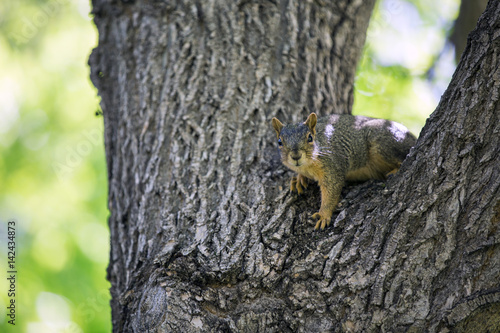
(392, 172)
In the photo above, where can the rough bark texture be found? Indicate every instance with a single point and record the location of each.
(205, 236)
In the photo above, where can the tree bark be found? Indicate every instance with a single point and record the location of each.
(205, 236)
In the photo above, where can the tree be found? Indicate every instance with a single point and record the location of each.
(205, 236)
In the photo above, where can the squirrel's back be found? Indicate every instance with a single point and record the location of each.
(365, 147)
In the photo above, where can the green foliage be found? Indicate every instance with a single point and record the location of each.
(404, 44)
(391, 92)
(52, 169)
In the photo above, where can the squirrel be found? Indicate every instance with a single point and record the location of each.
(338, 148)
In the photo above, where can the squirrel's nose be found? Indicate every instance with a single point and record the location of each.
(296, 155)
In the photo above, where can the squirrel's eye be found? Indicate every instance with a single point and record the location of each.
(310, 138)
(279, 142)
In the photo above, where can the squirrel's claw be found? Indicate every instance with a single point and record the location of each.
(302, 181)
(298, 184)
(293, 184)
(323, 221)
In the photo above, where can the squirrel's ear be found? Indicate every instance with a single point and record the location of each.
(311, 122)
(277, 126)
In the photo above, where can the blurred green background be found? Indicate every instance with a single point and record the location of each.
(52, 169)
(407, 61)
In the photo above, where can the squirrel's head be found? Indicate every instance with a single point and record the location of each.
(296, 141)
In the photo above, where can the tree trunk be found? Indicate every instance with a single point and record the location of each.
(205, 236)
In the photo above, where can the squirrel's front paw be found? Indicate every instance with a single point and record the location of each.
(323, 220)
(298, 184)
